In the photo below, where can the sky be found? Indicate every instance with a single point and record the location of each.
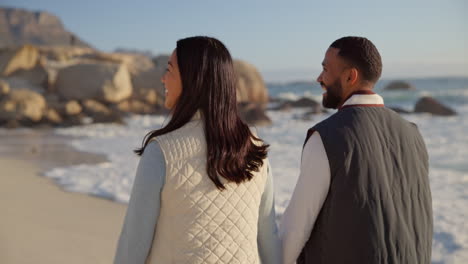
(285, 40)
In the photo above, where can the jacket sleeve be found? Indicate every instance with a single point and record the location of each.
(308, 197)
(269, 245)
(143, 209)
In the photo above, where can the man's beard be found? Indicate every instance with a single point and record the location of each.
(332, 98)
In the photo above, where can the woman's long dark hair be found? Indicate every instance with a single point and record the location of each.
(209, 85)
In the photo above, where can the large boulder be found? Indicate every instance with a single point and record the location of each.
(283, 106)
(14, 59)
(71, 108)
(104, 82)
(304, 102)
(16, 83)
(146, 79)
(37, 76)
(430, 105)
(147, 86)
(253, 114)
(94, 107)
(63, 108)
(251, 87)
(22, 105)
(100, 113)
(399, 85)
(4, 88)
(51, 65)
(51, 116)
(145, 76)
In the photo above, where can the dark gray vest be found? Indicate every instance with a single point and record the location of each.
(378, 209)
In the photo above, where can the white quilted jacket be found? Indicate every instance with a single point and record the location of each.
(197, 222)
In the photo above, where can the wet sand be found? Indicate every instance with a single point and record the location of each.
(41, 223)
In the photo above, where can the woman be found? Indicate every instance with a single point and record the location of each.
(202, 192)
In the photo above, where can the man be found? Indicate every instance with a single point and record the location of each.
(363, 193)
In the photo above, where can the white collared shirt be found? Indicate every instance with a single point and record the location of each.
(311, 189)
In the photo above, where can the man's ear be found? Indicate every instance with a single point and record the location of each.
(352, 77)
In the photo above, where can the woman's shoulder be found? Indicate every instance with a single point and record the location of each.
(152, 149)
(152, 162)
(191, 128)
(184, 142)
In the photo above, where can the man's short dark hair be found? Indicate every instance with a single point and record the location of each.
(361, 53)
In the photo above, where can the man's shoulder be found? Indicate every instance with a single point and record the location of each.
(331, 119)
(347, 118)
(320, 127)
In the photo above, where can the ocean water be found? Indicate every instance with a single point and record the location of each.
(445, 137)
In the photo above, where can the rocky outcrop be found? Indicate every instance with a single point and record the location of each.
(22, 105)
(432, 106)
(100, 113)
(37, 76)
(252, 94)
(147, 86)
(63, 108)
(139, 107)
(304, 102)
(71, 108)
(53, 59)
(79, 85)
(253, 114)
(399, 85)
(14, 59)
(93, 107)
(251, 87)
(145, 75)
(20, 26)
(146, 80)
(16, 83)
(53, 117)
(104, 82)
(4, 88)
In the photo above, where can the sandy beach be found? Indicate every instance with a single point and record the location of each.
(40, 222)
